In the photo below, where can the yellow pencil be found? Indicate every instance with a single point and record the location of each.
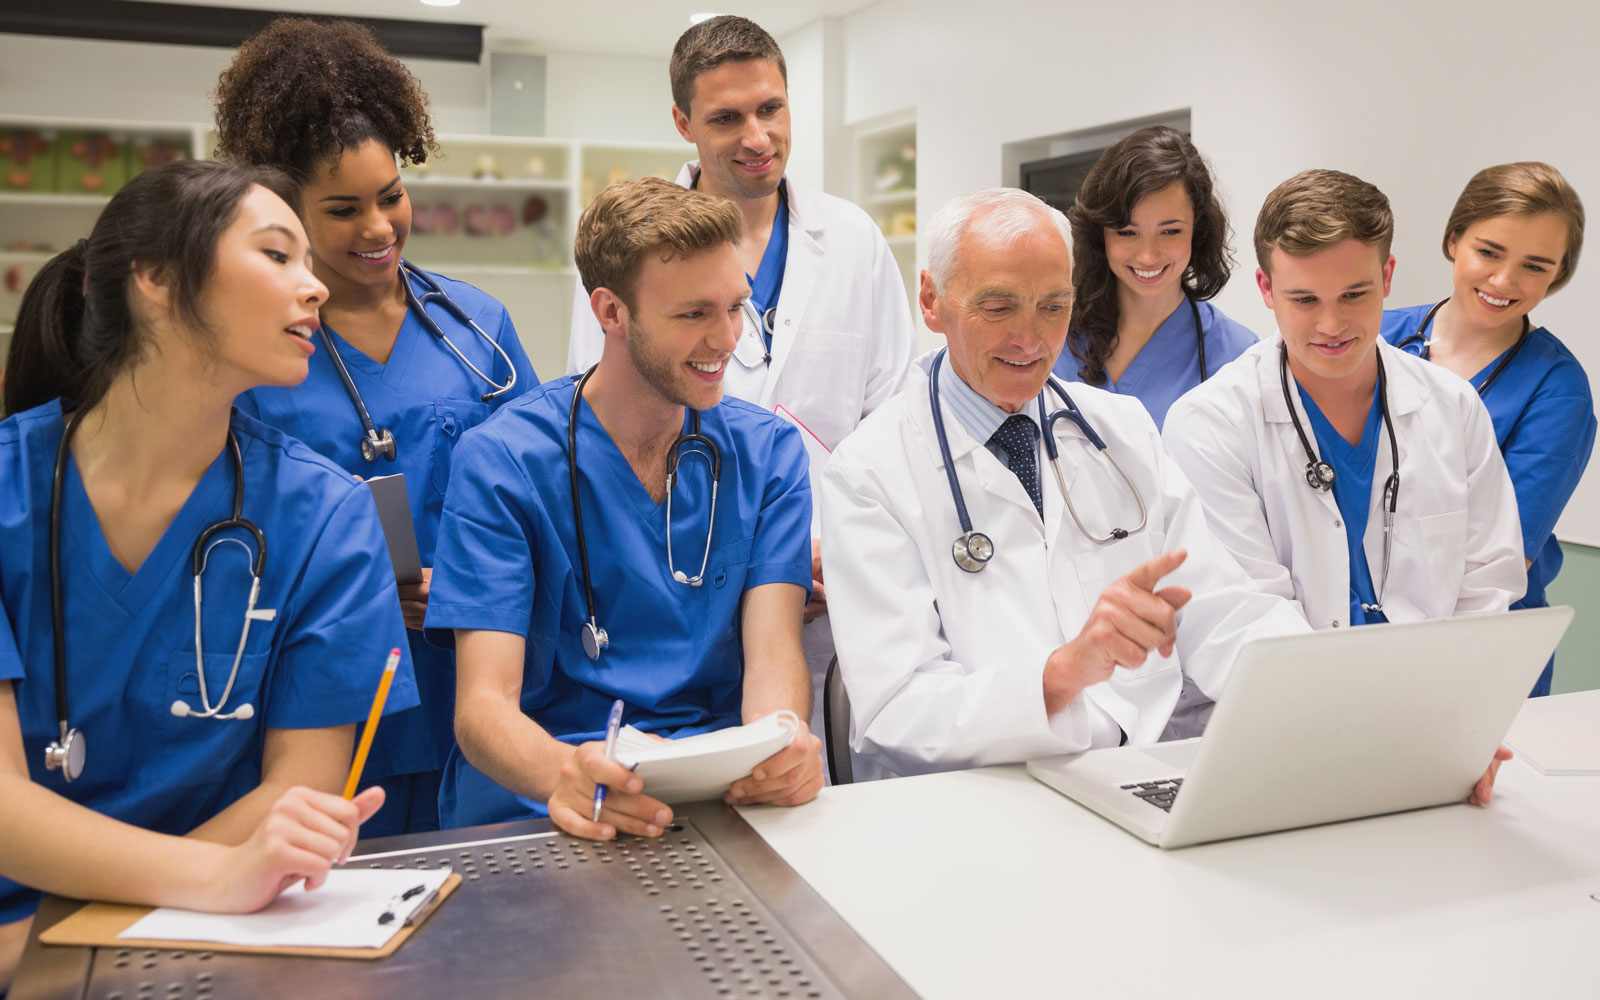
(372, 724)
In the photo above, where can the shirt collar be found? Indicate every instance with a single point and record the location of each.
(976, 415)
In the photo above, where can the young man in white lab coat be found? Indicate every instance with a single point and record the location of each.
(1080, 629)
(1292, 445)
(827, 333)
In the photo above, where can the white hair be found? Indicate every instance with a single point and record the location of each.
(1008, 214)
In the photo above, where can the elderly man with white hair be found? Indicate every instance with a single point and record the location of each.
(993, 599)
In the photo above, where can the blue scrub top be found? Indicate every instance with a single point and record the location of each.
(427, 398)
(1169, 365)
(767, 283)
(1543, 414)
(507, 561)
(1353, 468)
(130, 638)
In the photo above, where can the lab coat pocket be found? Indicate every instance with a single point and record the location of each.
(824, 382)
(1444, 547)
(724, 585)
(211, 745)
(451, 419)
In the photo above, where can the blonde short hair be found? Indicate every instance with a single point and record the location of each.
(1316, 209)
(1528, 188)
(633, 218)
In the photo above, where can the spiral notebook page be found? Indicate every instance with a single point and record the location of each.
(343, 913)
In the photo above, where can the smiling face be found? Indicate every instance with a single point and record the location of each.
(358, 217)
(738, 121)
(684, 323)
(1329, 307)
(1005, 310)
(261, 299)
(1504, 266)
(1151, 252)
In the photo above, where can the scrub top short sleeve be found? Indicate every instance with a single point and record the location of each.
(781, 552)
(347, 588)
(10, 659)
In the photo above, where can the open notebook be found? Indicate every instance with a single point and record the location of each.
(701, 767)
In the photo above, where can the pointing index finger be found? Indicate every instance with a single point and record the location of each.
(1147, 575)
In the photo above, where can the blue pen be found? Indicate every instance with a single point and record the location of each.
(612, 725)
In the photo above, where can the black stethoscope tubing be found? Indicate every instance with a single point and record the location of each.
(71, 746)
(1421, 336)
(1320, 475)
(973, 549)
(595, 638)
(1199, 337)
(376, 442)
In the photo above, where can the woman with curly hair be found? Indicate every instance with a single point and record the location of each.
(1150, 248)
(324, 102)
(1512, 239)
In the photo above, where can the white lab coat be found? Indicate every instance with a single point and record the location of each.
(844, 337)
(842, 347)
(945, 668)
(1457, 545)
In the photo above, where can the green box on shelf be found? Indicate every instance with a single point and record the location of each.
(27, 160)
(146, 151)
(91, 163)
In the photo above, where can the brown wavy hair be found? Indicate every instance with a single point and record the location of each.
(1527, 188)
(302, 91)
(1138, 165)
(633, 219)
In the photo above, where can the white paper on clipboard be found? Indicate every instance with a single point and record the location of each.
(394, 510)
(817, 453)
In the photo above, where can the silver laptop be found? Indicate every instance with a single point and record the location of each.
(1325, 727)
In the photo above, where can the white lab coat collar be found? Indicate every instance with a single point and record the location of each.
(1408, 391)
(800, 273)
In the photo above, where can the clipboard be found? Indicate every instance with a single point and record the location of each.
(98, 924)
(394, 511)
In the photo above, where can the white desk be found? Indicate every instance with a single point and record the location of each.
(988, 884)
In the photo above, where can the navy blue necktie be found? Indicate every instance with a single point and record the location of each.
(1019, 436)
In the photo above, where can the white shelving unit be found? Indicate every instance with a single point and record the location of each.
(508, 231)
(36, 224)
(886, 187)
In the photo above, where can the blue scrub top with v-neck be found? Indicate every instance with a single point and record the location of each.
(1353, 468)
(508, 562)
(1169, 364)
(767, 283)
(130, 637)
(427, 398)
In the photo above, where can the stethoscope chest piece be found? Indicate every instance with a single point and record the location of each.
(972, 551)
(595, 640)
(1319, 475)
(378, 444)
(67, 754)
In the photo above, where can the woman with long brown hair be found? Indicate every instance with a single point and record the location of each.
(1150, 249)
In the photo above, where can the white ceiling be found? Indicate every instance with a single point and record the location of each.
(619, 27)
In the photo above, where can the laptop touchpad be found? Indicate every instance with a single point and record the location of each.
(1174, 755)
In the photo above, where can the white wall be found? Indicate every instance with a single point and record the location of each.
(1413, 97)
(623, 98)
(76, 78)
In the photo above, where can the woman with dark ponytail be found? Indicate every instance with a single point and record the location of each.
(325, 103)
(1149, 251)
(149, 753)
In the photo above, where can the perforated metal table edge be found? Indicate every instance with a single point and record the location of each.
(746, 924)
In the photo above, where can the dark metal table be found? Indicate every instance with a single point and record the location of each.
(706, 910)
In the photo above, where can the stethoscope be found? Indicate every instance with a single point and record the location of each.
(973, 549)
(766, 324)
(595, 638)
(376, 441)
(1320, 475)
(68, 753)
(1421, 337)
(1199, 337)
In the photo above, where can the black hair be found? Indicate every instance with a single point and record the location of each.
(75, 330)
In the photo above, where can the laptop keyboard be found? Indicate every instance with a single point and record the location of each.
(1158, 793)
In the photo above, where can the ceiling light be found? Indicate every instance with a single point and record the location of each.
(441, 3)
(697, 18)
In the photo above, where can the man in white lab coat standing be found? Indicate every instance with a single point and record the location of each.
(827, 333)
(1080, 590)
